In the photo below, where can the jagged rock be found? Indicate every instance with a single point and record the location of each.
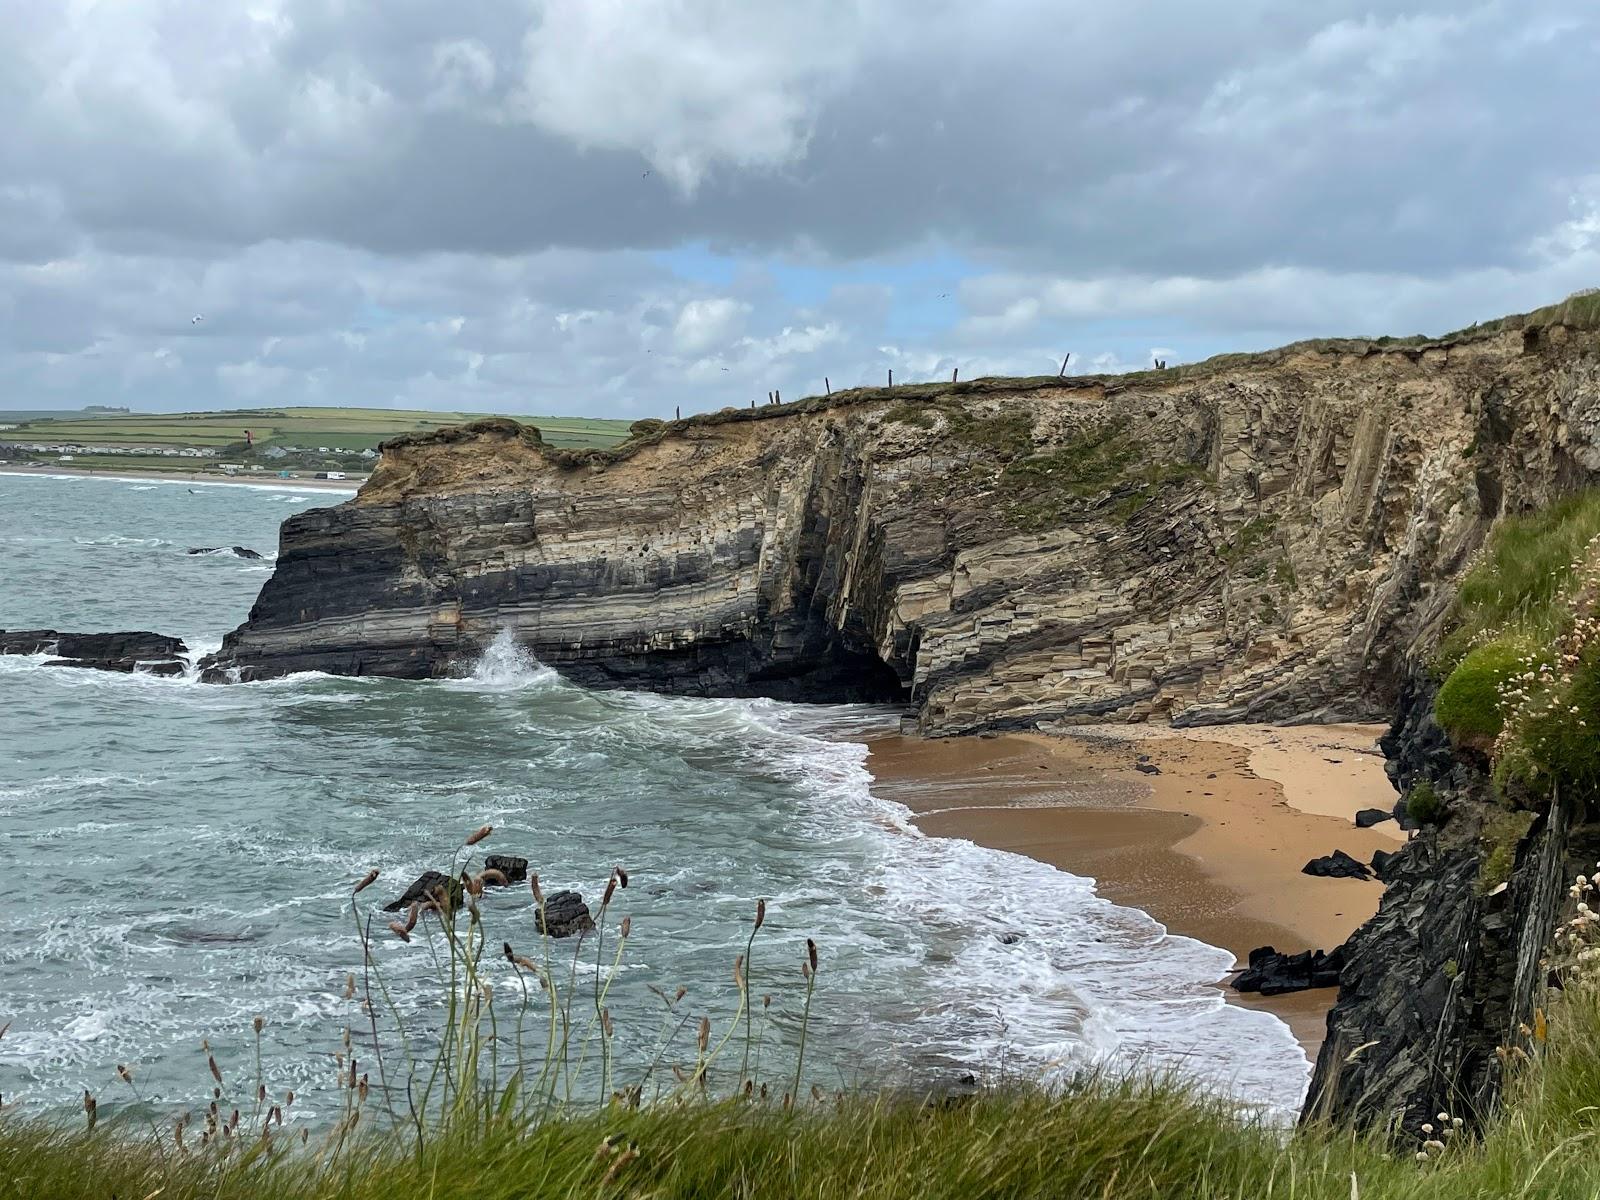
(237, 551)
(137, 650)
(1382, 860)
(1273, 974)
(563, 915)
(1290, 533)
(513, 868)
(426, 886)
(1337, 865)
(1443, 975)
(1368, 817)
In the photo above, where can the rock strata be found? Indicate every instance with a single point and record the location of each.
(1257, 537)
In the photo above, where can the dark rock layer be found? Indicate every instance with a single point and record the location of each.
(1446, 972)
(140, 650)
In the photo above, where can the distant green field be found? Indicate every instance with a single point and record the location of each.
(336, 428)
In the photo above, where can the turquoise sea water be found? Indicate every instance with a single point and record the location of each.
(178, 856)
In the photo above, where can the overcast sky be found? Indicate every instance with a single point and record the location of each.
(613, 207)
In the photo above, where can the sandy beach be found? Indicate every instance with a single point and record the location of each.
(261, 479)
(1212, 846)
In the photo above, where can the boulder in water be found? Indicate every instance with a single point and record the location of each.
(513, 868)
(126, 651)
(565, 914)
(236, 551)
(428, 885)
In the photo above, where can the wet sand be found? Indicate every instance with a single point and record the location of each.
(1211, 847)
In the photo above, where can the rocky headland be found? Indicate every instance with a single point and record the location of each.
(1267, 537)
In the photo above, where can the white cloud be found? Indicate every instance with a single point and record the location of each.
(704, 324)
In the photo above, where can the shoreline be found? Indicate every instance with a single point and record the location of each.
(1211, 846)
(133, 475)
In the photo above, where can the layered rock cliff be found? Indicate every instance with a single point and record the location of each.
(1258, 537)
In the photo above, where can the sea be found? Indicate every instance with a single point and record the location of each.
(178, 858)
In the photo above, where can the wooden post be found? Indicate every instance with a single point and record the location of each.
(677, 414)
(954, 371)
(777, 396)
(826, 386)
(1062, 373)
(891, 376)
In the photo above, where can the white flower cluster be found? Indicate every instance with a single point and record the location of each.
(1434, 1138)
(1537, 699)
(1577, 940)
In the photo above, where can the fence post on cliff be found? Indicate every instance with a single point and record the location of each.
(826, 386)
(891, 376)
(954, 371)
(1061, 374)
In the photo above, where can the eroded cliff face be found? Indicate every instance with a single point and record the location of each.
(1257, 537)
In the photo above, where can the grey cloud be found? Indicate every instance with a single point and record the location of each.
(404, 202)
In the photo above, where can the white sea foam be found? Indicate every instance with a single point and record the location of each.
(1077, 981)
(505, 666)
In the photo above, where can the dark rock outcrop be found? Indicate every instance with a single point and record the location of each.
(513, 868)
(236, 551)
(427, 886)
(1337, 865)
(1273, 974)
(1368, 817)
(563, 915)
(138, 650)
(1447, 971)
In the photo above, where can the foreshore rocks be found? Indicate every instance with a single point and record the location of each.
(139, 650)
(1338, 865)
(236, 551)
(1256, 537)
(1439, 983)
(1274, 974)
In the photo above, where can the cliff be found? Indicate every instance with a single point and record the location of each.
(1259, 537)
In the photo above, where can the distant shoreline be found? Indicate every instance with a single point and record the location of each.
(134, 475)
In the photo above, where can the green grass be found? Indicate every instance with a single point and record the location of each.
(1521, 583)
(1423, 804)
(337, 428)
(1521, 660)
(1469, 705)
(1100, 1138)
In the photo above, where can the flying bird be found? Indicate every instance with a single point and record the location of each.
(197, 318)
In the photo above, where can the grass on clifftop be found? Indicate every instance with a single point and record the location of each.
(1101, 1139)
(1522, 658)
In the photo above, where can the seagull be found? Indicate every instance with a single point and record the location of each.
(197, 318)
(646, 175)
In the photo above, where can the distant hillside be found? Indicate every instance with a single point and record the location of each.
(336, 429)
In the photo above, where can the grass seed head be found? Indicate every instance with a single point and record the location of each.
(367, 881)
(478, 834)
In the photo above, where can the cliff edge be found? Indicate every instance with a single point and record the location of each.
(1256, 537)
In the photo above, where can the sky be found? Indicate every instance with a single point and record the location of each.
(623, 207)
